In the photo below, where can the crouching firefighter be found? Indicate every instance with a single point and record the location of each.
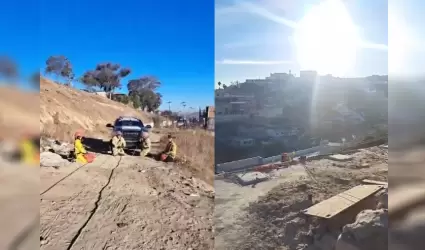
(170, 152)
(80, 153)
(145, 144)
(118, 144)
(29, 150)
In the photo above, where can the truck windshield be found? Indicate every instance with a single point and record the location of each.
(131, 123)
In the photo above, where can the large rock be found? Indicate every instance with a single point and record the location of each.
(61, 148)
(382, 198)
(49, 159)
(368, 232)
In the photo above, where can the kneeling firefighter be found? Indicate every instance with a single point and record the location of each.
(118, 144)
(145, 144)
(29, 150)
(170, 152)
(80, 153)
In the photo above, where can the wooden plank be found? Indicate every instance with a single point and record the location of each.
(367, 181)
(340, 202)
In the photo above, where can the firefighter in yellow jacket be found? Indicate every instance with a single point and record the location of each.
(118, 144)
(170, 152)
(145, 144)
(29, 150)
(79, 150)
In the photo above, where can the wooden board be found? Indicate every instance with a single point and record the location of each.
(340, 202)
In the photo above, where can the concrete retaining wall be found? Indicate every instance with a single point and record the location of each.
(239, 164)
(324, 149)
(256, 161)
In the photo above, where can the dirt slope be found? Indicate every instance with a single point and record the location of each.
(128, 202)
(125, 203)
(64, 109)
(19, 112)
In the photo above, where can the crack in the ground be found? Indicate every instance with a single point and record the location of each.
(94, 210)
(65, 177)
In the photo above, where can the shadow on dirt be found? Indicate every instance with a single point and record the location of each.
(96, 145)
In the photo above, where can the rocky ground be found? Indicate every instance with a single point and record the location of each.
(407, 197)
(269, 216)
(124, 202)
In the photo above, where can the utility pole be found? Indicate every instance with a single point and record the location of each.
(169, 106)
(184, 105)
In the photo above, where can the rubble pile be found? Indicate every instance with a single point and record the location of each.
(54, 153)
(368, 232)
(277, 221)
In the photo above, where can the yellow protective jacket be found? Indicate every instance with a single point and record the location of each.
(146, 144)
(171, 149)
(79, 151)
(79, 147)
(118, 142)
(29, 153)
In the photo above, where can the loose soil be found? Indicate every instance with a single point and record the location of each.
(268, 215)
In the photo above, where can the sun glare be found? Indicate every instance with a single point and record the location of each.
(399, 40)
(326, 39)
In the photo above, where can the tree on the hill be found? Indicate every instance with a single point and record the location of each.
(219, 85)
(8, 68)
(146, 82)
(35, 79)
(224, 86)
(135, 99)
(106, 76)
(61, 67)
(121, 98)
(146, 98)
(143, 89)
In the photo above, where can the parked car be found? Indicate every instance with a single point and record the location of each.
(131, 128)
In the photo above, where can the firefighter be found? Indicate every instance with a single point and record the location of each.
(145, 144)
(80, 153)
(29, 150)
(169, 154)
(118, 144)
(79, 150)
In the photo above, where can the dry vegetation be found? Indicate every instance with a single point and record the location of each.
(195, 148)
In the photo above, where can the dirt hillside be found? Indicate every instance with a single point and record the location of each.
(19, 112)
(64, 110)
(127, 202)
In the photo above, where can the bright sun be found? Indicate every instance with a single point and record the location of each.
(326, 39)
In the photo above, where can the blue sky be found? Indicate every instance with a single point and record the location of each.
(254, 40)
(172, 40)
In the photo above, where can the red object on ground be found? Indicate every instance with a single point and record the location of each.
(90, 157)
(265, 168)
(163, 157)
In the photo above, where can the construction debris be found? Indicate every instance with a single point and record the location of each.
(251, 178)
(49, 159)
(368, 232)
(338, 206)
(366, 181)
(339, 157)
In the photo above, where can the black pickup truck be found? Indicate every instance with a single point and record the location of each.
(131, 128)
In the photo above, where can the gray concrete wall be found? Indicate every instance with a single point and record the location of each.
(256, 161)
(239, 164)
